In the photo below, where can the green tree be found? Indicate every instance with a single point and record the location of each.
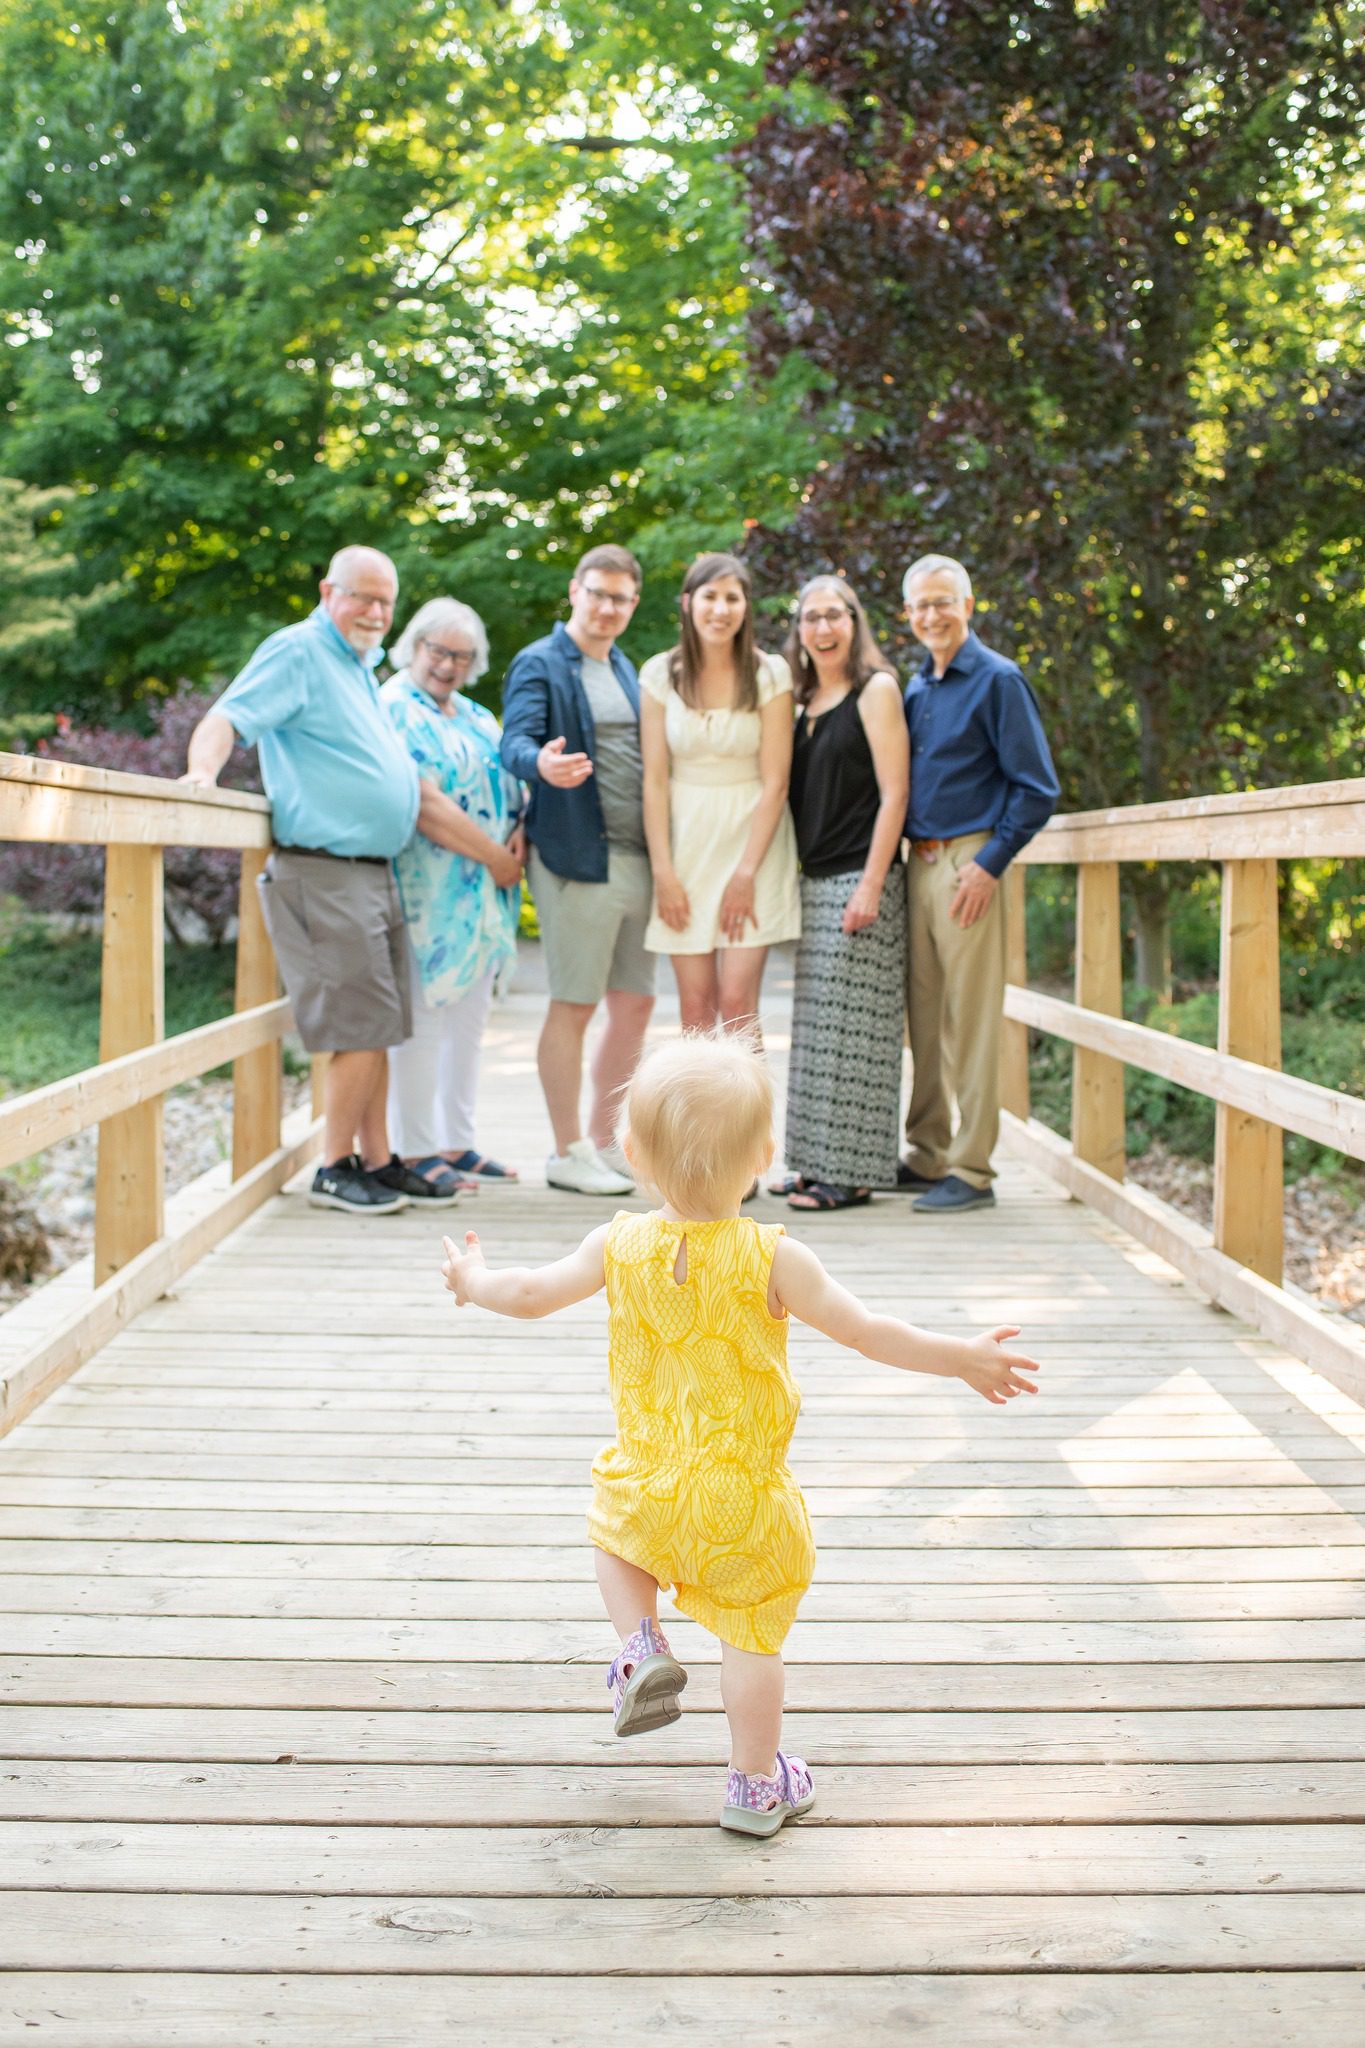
(620, 401)
(233, 315)
(36, 612)
(39, 611)
(1079, 277)
(464, 280)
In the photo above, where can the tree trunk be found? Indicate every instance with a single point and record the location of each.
(1152, 932)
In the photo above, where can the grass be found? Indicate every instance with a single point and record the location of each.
(50, 1001)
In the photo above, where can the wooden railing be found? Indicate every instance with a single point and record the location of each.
(134, 817)
(1240, 1263)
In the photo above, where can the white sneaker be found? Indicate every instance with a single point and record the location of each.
(583, 1171)
(616, 1159)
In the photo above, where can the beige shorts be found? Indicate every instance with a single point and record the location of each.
(594, 932)
(339, 937)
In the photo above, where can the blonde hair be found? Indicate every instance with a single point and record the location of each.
(699, 1112)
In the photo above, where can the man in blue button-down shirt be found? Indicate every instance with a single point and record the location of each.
(981, 784)
(571, 729)
(344, 799)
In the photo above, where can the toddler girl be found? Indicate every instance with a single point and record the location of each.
(695, 1492)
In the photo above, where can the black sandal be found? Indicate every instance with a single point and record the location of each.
(790, 1184)
(827, 1194)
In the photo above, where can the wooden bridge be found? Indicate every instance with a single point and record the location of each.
(303, 1724)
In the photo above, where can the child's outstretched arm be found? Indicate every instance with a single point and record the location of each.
(805, 1290)
(524, 1290)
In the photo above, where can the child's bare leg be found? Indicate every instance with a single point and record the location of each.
(630, 1595)
(752, 1688)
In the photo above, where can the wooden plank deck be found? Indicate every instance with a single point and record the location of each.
(302, 1700)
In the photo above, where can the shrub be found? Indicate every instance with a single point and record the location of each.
(1327, 1048)
(201, 882)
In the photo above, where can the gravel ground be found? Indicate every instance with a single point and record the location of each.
(1324, 1225)
(58, 1187)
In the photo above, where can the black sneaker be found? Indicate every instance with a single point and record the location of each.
(407, 1181)
(346, 1185)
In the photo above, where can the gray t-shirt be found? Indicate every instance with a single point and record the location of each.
(617, 768)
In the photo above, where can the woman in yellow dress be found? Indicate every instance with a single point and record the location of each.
(716, 744)
(695, 1492)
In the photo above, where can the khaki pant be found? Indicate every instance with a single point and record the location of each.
(955, 998)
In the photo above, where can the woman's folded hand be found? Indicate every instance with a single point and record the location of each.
(671, 898)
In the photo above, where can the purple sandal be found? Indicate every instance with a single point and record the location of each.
(645, 1682)
(759, 1806)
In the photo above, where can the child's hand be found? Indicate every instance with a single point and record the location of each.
(458, 1266)
(996, 1374)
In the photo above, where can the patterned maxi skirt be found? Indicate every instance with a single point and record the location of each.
(848, 1029)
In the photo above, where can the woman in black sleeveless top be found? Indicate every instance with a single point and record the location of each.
(850, 782)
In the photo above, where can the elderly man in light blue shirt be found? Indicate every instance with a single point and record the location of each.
(344, 797)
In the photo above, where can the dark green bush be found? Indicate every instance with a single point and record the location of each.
(1323, 1046)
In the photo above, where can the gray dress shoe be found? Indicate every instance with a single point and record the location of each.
(949, 1196)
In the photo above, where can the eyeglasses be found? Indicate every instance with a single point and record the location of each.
(829, 618)
(607, 597)
(917, 605)
(365, 599)
(447, 654)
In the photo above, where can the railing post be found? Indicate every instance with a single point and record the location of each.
(256, 1089)
(1097, 1134)
(130, 1192)
(1014, 1083)
(1248, 1172)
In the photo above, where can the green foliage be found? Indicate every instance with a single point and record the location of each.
(1324, 1047)
(39, 612)
(50, 1000)
(1083, 282)
(1322, 921)
(1322, 931)
(465, 282)
(20, 731)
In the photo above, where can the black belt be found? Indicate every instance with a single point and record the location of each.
(379, 860)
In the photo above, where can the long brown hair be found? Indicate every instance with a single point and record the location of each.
(685, 661)
(865, 657)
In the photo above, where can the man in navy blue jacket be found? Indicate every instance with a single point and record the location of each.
(571, 729)
(981, 784)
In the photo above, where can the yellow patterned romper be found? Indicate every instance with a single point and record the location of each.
(696, 1488)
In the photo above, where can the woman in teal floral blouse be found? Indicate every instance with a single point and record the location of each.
(459, 879)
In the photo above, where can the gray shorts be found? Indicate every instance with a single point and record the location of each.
(339, 937)
(594, 932)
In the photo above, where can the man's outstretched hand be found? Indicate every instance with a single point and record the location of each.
(561, 770)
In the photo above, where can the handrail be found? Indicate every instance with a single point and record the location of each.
(44, 1116)
(1308, 820)
(63, 803)
(134, 817)
(1249, 833)
(1324, 1114)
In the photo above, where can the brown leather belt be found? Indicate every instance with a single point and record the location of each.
(928, 849)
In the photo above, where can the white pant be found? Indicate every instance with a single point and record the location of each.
(434, 1077)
